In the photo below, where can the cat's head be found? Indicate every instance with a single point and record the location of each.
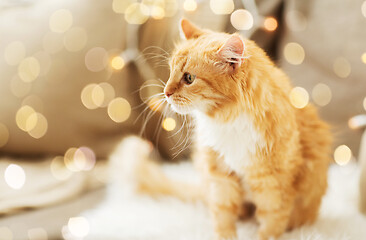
(204, 70)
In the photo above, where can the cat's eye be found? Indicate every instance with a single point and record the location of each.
(189, 78)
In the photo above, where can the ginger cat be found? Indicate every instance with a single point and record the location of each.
(252, 145)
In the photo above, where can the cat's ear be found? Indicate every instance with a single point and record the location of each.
(189, 30)
(233, 51)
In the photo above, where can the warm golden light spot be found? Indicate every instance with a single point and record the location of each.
(14, 53)
(299, 97)
(19, 88)
(84, 159)
(242, 19)
(364, 103)
(29, 69)
(52, 42)
(155, 104)
(294, 53)
(119, 110)
(6, 233)
(59, 170)
(157, 12)
(137, 13)
(117, 63)
(37, 234)
(222, 6)
(190, 5)
(120, 6)
(40, 127)
(342, 155)
(75, 39)
(97, 95)
(4, 135)
(341, 67)
(363, 9)
(44, 61)
(96, 59)
(22, 116)
(296, 21)
(33, 101)
(108, 92)
(70, 161)
(14, 176)
(363, 58)
(60, 21)
(79, 227)
(86, 96)
(169, 124)
(270, 24)
(170, 8)
(321, 94)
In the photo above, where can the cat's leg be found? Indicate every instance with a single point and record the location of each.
(224, 195)
(274, 201)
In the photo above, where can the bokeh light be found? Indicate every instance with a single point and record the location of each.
(108, 92)
(222, 6)
(242, 19)
(37, 234)
(29, 69)
(341, 67)
(14, 176)
(70, 161)
(59, 169)
(296, 21)
(60, 21)
(52, 42)
(342, 155)
(157, 12)
(40, 127)
(86, 96)
(117, 63)
(97, 95)
(364, 103)
(170, 7)
(270, 24)
(120, 6)
(119, 110)
(79, 226)
(363, 58)
(321, 94)
(299, 97)
(363, 9)
(84, 159)
(75, 39)
(294, 53)
(19, 88)
(96, 59)
(22, 116)
(137, 13)
(14, 53)
(169, 124)
(6, 233)
(190, 5)
(4, 135)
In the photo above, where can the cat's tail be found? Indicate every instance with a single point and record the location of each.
(131, 161)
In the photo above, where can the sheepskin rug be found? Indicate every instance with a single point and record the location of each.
(126, 215)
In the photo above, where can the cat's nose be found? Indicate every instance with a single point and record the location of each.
(168, 93)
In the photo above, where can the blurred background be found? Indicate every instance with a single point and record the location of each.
(76, 76)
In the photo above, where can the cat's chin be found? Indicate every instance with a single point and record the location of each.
(180, 110)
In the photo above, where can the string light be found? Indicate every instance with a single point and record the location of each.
(117, 63)
(37, 234)
(96, 59)
(299, 97)
(270, 24)
(29, 69)
(119, 110)
(169, 124)
(294, 53)
(242, 19)
(341, 67)
(60, 21)
(342, 155)
(14, 53)
(157, 12)
(4, 135)
(79, 226)
(190, 5)
(14, 176)
(321, 94)
(222, 6)
(75, 39)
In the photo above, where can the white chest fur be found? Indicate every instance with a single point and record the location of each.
(236, 141)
